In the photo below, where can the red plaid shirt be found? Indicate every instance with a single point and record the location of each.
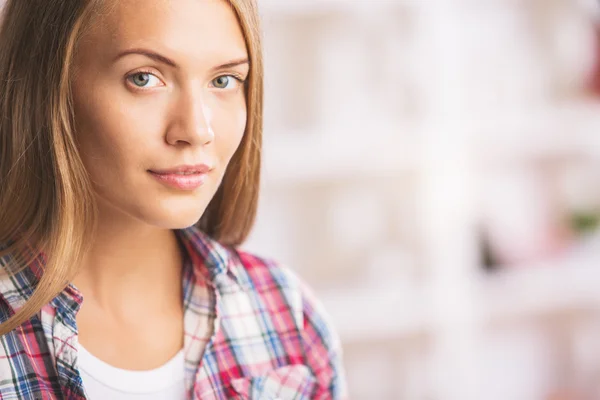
(270, 339)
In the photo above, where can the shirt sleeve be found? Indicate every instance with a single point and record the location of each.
(323, 348)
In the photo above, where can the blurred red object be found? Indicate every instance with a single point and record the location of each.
(564, 395)
(595, 81)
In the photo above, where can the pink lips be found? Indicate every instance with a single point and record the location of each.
(185, 177)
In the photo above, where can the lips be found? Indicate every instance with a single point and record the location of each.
(186, 177)
(177, 173)
(183, 170)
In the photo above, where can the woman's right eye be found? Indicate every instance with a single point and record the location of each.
(144, 80)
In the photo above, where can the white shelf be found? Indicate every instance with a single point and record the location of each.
(553, 132)
(313, 157)
(519, 292)
(324, 155)
(523, 292)
(371, 315)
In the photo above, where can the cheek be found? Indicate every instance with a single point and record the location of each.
(229, 131)
(97, 141)
(110, 137)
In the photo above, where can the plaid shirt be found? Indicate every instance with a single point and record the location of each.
(268, 338)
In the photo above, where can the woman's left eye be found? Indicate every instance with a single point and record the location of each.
(226, 82)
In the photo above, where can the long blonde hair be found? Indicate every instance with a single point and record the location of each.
(46, 199)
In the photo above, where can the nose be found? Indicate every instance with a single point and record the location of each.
(192, 122)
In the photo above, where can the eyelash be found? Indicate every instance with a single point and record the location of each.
(237, 77)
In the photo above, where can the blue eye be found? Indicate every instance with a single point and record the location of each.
(226, 82)
(144, 79)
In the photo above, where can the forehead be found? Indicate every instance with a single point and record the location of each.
(198, 30)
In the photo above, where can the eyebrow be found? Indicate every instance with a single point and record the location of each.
(165, 60)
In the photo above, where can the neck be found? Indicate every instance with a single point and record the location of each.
(127, 261)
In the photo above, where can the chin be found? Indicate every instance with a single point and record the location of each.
(177, 218)
(168, 213)
(179, 222)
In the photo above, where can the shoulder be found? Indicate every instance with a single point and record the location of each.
(266, 274)
(285, 310)
(19, 274)
(272, 281)
(10, 296)
(271, 286)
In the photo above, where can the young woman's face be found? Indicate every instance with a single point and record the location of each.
(158, 85)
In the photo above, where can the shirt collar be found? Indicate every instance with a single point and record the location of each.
(211, 261)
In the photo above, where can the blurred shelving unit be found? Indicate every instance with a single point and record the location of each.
(542, 289)
(309, 157)
(387, 122)
(565, 131)
(553, 132)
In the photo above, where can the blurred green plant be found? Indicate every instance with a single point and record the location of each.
(584, 222)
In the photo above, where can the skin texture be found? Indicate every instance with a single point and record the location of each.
(133, 114)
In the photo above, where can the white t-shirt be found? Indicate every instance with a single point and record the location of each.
(103, 381)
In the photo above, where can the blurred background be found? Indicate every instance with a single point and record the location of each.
(432, 170)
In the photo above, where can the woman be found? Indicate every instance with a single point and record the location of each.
(129, 165)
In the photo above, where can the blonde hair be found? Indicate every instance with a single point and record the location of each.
(46, 199)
